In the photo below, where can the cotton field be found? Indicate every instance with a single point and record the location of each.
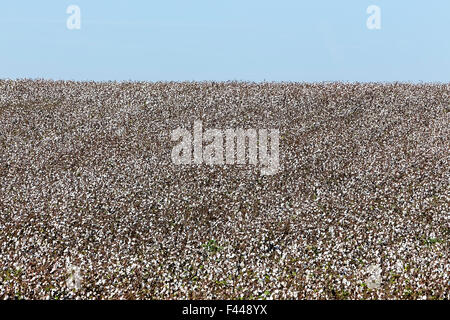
(93, 207)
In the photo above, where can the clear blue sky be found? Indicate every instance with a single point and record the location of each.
(284, 40)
